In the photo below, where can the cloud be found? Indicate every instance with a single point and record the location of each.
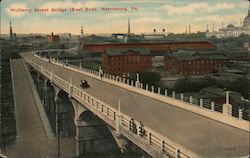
(19, 9)
(196, 8)
(229, 18)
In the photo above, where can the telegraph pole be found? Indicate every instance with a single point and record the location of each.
(58, 135)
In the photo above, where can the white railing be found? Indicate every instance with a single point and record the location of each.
(131, 86)
(110, 115)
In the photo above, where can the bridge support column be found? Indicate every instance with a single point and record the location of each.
(78, 109)
(120, 140)
(45, 98)
(39, 84)
(56, 101)
(61, 114)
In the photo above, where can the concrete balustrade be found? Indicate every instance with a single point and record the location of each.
(173, 94)
(152, 89)
(177, 153)
(182, 96)
(127, 81)
(201, 102)
(240, 113)
(146, 87)
(166, 92)
(159, 90)
(212, 106)
(191, 99)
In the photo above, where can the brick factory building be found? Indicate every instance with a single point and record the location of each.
(194, 63)
(53, 38)
(125, 61)
(154, 47)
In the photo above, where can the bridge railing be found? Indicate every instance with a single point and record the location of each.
(150, 137)
(152, 92)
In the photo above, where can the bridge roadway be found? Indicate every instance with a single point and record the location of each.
(201, 135)
(32, 141)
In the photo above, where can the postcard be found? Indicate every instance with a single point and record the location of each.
(125, 78)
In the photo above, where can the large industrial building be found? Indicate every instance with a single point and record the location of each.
(194, 63)
(154, 47)
(125, 61)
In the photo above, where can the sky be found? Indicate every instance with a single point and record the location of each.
(145, 15)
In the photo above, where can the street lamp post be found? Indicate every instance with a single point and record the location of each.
(58, 135)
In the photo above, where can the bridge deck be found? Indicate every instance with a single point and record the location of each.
(199, 134)
(32, 140)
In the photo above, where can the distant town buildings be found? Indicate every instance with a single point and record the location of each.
(155, 35)
(194, 63)
(231, 30)
(53, 38)
(247, 45)
(125, 61)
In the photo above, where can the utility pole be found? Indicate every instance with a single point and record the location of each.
(58, 134)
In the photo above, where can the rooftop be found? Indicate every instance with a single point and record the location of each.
(123, 51)
(184, 55)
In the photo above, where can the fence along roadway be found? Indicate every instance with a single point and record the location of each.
(201, 135)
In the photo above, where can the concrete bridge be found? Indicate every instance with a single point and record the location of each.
(171, 127)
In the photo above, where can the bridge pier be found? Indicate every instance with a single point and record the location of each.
(48, 98)
(91, 132)
(78, 109)
(40, 85)
(61, 111)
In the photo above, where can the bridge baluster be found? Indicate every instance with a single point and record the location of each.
(102, 107)
(201, 102)
(159, 90)
(162, 145)
(177, 153)
(152, 89)
(114, 116)
(182, 96)
(166, 92)
(191, 100)
(240, 113)
(149, 138)
(173, 94)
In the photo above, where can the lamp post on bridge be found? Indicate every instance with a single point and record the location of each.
(227, 107)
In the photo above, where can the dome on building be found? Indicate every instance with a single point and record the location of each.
(246, 23)
(230, 25)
